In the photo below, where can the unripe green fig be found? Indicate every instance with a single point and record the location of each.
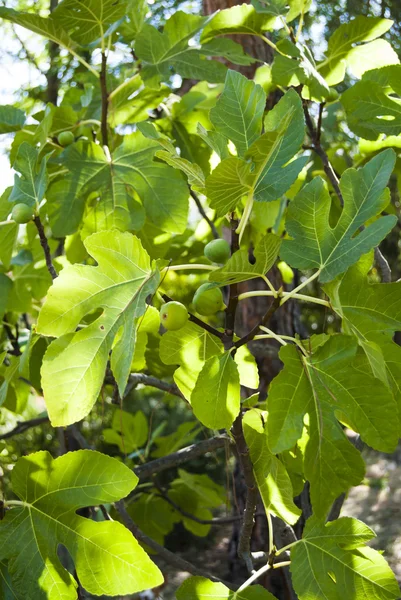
(22, 213)
(173, 315)
(208, 300)
(65, 138)
(333, 95)
(286, 272)
(218, 251)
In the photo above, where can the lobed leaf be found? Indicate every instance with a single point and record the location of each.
(51, 491)
(332, 383)
(74, 365)
(332, 250)
(332, 561)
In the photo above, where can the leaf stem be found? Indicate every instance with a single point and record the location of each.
(105, 100)
(245, 216)
(189, 267)
(83, 62)
(275, 336)
(204, 215)
(254, 577)
(300, 287)
(271, 532)
(285, 548)
(284, 296)
(122, 85)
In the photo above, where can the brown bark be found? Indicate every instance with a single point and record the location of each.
(252, 45)
(53, 83)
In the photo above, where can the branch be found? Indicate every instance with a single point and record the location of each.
(317, 147)
(45, 245)
(16, 351)
(204, 215)
(23, 426)
(215, 521)
(383, 265)
(105, 100)
(249, 336)
(244, 544)
(181, 456)
(173, 560)
(199, 322)
(137, 378)
(233, 298)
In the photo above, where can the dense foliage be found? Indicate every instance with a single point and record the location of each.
(190, 270)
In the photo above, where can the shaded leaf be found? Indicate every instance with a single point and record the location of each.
(238, 268)
(30, 187)
(333, 249)
(11, 118)
(131, 168)
(370, 104)
(239, 111)
(161, 51)
(320, 386)
(271, 476)
(332, 561)
(88, 20)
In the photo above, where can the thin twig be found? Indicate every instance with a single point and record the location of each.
(320, 121)
(233, 298)
(204, 215)
(23, 426)
(181, 456)
(199, 322)
(45, 245)
(175, 561)
(317, 147)
(383, 265)
(141, 378)
(105, 100)
(16, 351)
(215, 521)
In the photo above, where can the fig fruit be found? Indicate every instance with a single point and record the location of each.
(208, 300)
(22, 213)
(173, 315)
(218, 251)
(65, 138)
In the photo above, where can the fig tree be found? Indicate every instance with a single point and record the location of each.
(218, 251)
(173, 315)
(208, 300)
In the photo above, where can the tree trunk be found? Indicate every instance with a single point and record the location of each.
(52, 73)
(252, 45)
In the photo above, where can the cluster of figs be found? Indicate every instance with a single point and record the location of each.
(208, 299)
